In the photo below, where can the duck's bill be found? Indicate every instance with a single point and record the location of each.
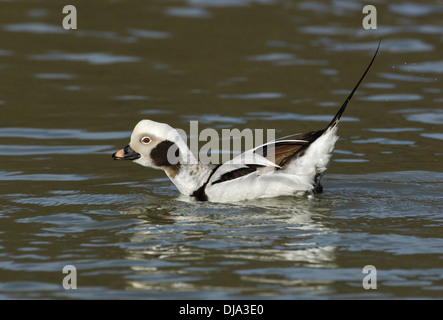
(127, 153)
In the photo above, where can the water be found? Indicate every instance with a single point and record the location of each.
(69, 99)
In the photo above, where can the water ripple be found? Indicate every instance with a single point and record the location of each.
(294, 116)
(385, 141)
(91, 57)
(71, 199)
(286, 59)
(50, 134)
(276, 56)
(188, 12)
(250, 96)
(428, 66)
(149, 34)
(35, 27)
(18, 176)
(431, 116)
(391, 45)
(131, 97)
(16, 150)
(395, 129)
(392, 97)
(404, 77)
(438, 136)
(213, 118)
(54, 76)
(414, 9)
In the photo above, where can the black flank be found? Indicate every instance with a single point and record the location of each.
(234, 174)
(200, 193)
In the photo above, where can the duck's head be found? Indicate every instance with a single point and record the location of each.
(155, 145)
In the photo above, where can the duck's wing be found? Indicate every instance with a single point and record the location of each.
(264, 158)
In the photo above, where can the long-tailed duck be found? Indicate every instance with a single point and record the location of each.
(277, 168)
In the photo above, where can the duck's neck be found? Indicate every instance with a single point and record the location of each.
(184, 170)
(189, 177)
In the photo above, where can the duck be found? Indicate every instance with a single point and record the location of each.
(282, 167)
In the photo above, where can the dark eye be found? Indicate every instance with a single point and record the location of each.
(146, 140)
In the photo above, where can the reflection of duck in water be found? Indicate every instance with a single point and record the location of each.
(280, 167)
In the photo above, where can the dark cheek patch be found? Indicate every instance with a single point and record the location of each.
(166, 154)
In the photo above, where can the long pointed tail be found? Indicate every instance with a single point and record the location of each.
(336, 119)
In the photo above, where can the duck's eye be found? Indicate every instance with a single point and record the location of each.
(146, 140)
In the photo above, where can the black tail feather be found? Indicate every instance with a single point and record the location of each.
(336, 119)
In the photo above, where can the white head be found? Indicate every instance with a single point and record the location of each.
(156, 145)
